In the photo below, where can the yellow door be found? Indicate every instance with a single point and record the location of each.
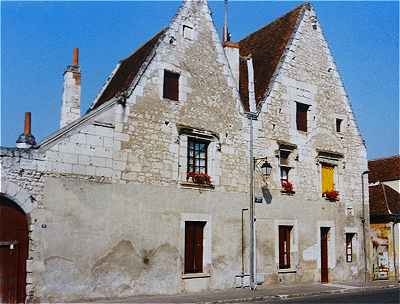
(327, 178)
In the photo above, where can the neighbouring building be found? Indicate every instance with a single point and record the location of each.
(384, 202)
(148, 191)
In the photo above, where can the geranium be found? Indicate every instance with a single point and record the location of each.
(332, 195)
(199, 178)
(287, 186)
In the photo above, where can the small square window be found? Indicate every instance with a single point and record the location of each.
(171, 85)
(187, 32)
(339, 125)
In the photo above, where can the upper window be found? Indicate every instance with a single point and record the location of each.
(188, 32)
(328, 183)
(194, 247)
(171, 85)
(301, 116)
(284, 246)
(285, 168)
(339, 125)
(197, 155)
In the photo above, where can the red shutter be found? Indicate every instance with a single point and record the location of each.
(171, 85)
(301, 116)
(194, 247)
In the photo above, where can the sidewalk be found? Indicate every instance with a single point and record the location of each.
(238, 295)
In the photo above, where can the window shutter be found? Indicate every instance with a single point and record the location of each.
(171, 86)
(194, 247)
(301, 116)
(198, 256)
(327, 178)
(189, 247)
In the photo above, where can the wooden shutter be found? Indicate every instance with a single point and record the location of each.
(171, 85)
(327, 178)
(284, 246)
(194, 247)
(301, 116)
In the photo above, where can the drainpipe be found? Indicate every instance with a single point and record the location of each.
(363, 227)
(252, 116)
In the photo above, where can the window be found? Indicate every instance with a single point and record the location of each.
(349, 247)
(328, 184)
(197, 155)
(187, 32)
(301, 116)
(284, 246)
(194, 247)
(338, 125)
(171, 85)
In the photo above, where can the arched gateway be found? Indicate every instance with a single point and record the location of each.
(13, 252)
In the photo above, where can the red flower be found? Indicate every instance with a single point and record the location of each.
(199, 178)
(287, 186)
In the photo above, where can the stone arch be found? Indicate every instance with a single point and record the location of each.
(19, 196)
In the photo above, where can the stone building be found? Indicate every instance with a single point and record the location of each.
(384, 201)
(148, 192)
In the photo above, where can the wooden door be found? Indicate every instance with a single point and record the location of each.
(194, 247)
(324, 255)
(13, 252)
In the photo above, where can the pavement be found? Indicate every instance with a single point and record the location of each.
(242, 295)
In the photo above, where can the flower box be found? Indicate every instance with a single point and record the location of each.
(199, 178)
(332, 196)
(287, 187)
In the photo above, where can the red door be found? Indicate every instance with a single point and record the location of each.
(324, 255)
(13, 252)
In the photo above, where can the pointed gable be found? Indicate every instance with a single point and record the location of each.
(127, 71)
(266, 46)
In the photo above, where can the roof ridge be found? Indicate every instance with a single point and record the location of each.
(385, 157)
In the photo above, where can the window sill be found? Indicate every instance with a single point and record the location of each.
(289, 270)
(290, 193)
(195, 275)
(197, 186)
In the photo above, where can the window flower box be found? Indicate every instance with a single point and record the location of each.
(199, 178)
(287, 187)
(332, 196)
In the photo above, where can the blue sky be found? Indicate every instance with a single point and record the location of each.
(37, 40)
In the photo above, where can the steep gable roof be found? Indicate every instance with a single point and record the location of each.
(384, 169)
(266, 46)
(378, 207)
(127, 71)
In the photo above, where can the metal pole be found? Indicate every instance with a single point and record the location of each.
(363, 227)
(245, 209)
(252, 254)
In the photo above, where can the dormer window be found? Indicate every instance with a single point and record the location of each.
(171, 85)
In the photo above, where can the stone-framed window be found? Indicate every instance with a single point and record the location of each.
(199, 157)
(187, 32)
(339, 125)
(286, 166)
(329, 165)
(171, 85)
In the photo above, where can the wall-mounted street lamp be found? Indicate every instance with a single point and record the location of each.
(266, 168)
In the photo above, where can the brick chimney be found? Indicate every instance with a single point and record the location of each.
(26, 140)
(71, 99)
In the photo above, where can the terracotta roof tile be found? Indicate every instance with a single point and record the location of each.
(377, 205)
(266, 46)
(385, 169)
(127, 71)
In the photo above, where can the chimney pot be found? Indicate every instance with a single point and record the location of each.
(75, 56)
(27, 127)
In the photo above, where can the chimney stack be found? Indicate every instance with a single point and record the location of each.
(71, 99)
(26, 140)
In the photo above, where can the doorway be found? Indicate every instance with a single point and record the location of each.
(324, 254)
(13, 252)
